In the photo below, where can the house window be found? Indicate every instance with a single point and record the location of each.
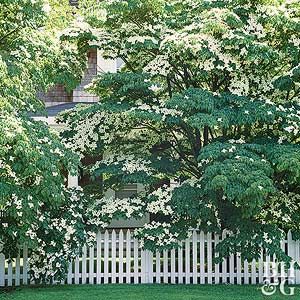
(73, 2)
(119, 63)
(128, 190)
(85, 180)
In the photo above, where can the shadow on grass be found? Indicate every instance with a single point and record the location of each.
(141, 292)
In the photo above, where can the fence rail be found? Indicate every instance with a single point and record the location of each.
(117, 258)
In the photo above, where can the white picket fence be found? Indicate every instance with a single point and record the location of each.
(117, 258)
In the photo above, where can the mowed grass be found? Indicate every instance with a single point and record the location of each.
(141, 292)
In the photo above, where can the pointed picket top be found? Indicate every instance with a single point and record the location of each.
(128, 234)
(289, 236)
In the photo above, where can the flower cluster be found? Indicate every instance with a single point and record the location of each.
(158, 235)
(108, 208)
(159, 201)
(57, 237)
(128, 164)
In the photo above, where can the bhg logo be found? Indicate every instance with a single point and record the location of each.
(278, 278)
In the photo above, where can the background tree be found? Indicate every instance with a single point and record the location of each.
(208, 97)
(35, 206)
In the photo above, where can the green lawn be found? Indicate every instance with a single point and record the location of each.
(141, 292)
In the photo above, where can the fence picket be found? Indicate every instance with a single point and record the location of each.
(291, 252)
(9, 274)
(253, 271)
(136, 261)
(180, 262)
(17, 271)
(202, 260)
(246, 272)
(25, 265)
(121, 253)
(209, 258)
(70, 274)
(144, 266)
(77, 270)
(106, 255)
(158, 280)
(91, 265)
(282, 270)
(224, 262)
(187, 261)
(165, 265)
(260, 268)
(98, 258)
(83, 272)
(267, 271)
(113, 256)
(297, 259)
(231, 269)
(194, 253)
(150, 274)
(217, 266)
(173, 262)
(238, 269)
(128, 257)
(274, 268)
(2, 269)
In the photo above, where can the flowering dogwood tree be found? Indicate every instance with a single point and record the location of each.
(36, 207)
(208, 99)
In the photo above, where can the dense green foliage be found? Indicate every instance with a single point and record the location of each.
(208, 99)
(36, 207)
(32, 56)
